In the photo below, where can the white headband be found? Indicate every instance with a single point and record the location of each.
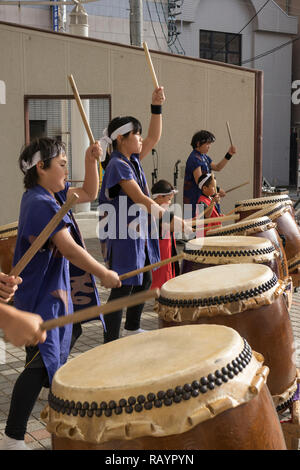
(204, 180)
(105, 140)
(174, 191)
(35, 159)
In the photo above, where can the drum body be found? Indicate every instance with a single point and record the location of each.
(248, 207)
(7, 249)
(286, 226)
(214, 251)
(139, 393)
(247, 298)
(259, 227)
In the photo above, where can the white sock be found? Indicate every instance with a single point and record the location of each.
(8, 443)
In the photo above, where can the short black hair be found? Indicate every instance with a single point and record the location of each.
(162, 186)
(48, 148)
(202, 137)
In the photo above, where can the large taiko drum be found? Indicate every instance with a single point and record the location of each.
(246, 297)
(197, 387)
(8, 239)
(259, 227)
(248, 207)
(286, 226)
(205, 252)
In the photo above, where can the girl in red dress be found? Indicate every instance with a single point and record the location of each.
(209, 199)
(163, 193)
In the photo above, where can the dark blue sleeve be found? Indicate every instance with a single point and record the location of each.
(194, 162)
(117, 171)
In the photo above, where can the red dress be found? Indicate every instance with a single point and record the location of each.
(207, 201)
(167, 246)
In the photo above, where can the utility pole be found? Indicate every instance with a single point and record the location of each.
(79, 26)
(136, 22)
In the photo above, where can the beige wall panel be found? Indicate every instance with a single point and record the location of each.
(11, 61)
(183, 114)
(231, 98)
(199, 95)
(11, 140)
(132, 85)
(89, 65)
(44, 64)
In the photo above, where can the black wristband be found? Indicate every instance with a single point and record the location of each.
(156, 109)
(228, 156)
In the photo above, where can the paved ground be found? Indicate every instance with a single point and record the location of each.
(12, 358)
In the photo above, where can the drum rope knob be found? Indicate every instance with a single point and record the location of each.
(259, 380)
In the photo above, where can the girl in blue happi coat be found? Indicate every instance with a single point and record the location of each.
(198, 164)
(59, 279)
(128, 213)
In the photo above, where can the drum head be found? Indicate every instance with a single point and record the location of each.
(242, 228)
(262, 202)
(158, 383)
(225, 243)
(272, 211)
(217, 281)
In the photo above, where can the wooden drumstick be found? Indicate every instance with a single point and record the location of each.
(151, 266)
(93, 312)
(149, 60)
(236, 187)
(229, 133)
(233, 210)
(43, 236)
(216, 219)
(81, 109)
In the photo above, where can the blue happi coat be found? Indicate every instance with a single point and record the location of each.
(128, 229)
(191, 191)
(51, 286)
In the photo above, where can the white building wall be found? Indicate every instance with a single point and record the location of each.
(272, 27)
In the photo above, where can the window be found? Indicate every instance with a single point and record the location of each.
(223, 47)
(51, 116)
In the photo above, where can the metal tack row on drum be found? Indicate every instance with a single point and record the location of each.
(246, 297)
(140, 393)
(221, 364)
(280, 210)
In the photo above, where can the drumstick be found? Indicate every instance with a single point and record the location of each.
(81, 109)
(216, 219)
(95, 311)
(149, 267)
(229, 133)
(236, 187)
(149, 60)
(233, 210)
(43, 236)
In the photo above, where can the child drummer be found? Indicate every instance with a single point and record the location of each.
(163, 193)
(59, 278)
(210, 199)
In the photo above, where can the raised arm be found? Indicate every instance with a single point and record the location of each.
(219, 166)
(89, 190)
(155, 126)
